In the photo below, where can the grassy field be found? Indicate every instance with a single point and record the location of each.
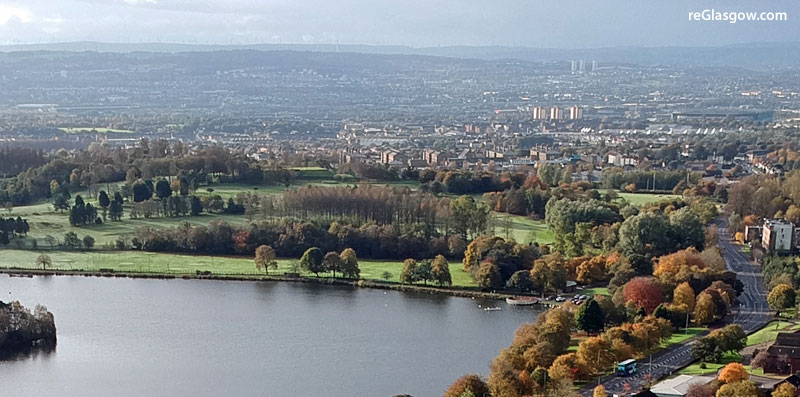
(148, 262)
(712, 368)
(770, 332)
(596, 291)
(682, 336)
(44, 221)
(640, 199)
(522, 229)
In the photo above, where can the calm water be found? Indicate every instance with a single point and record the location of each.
(194, 337)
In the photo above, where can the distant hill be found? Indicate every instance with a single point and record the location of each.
(754, 55)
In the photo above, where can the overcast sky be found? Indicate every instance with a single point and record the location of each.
(533, 23)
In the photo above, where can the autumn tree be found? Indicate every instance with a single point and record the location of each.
(520, 281)
(312, 260)
(785, 389)
(565, 366)
(332, 262)
(596, 353)
(738, 389)
(562, 388)
(440, 271)
(683, 298)
(488, 277)
(781, 297)
(705, 311)
(350, 267)
(678, 267)
(599, 391)
(409, 272)
(644, 292)
(471, 383)
(733, 372)
(265, 258)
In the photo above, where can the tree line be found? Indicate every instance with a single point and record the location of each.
(290, 238)
(13, 227)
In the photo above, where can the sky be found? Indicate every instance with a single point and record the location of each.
(416, 23)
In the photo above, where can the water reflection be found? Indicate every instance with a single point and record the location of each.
(31, 353)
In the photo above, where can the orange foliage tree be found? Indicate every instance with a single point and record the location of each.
(733, 372)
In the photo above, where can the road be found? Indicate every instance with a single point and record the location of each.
(752, 314)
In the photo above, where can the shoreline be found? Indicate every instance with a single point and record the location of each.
(457, 292)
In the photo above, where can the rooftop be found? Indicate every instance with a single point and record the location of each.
(680, 384)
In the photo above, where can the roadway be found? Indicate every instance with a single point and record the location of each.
(752, 314)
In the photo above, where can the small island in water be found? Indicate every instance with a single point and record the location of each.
(21, 330)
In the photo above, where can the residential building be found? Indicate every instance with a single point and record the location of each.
(555, 113)
(784, 354)
(539, 113)
(777, 235)
(575, 112)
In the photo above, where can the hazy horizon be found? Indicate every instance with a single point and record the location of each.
(574, 24)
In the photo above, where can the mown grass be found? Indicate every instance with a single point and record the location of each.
(521, 229)
(712, 368)
(770, 332)
(682, 336)
(161, 263)
(44, 221)
(640, 199)
(596, 291)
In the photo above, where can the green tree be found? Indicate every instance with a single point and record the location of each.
(706, 349)
(88, 242)
(265, 258)
(646, 234)
(350, 263)
(104, 202)
(590, 317)
(163, 190)
(521, 281)
(60, 202)
(184, 186)
(142, 192)
(423, 271)
(71, 241)
(311, 260)
(468, 216)
(115, 211)
(687, 229)
(440, 271)
(332, 262)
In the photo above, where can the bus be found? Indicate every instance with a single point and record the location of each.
(626, 368)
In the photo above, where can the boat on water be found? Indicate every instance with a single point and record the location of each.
(522, 301)
(491, 309)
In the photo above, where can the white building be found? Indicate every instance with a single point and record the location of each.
(679, 385)
(776, 235)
